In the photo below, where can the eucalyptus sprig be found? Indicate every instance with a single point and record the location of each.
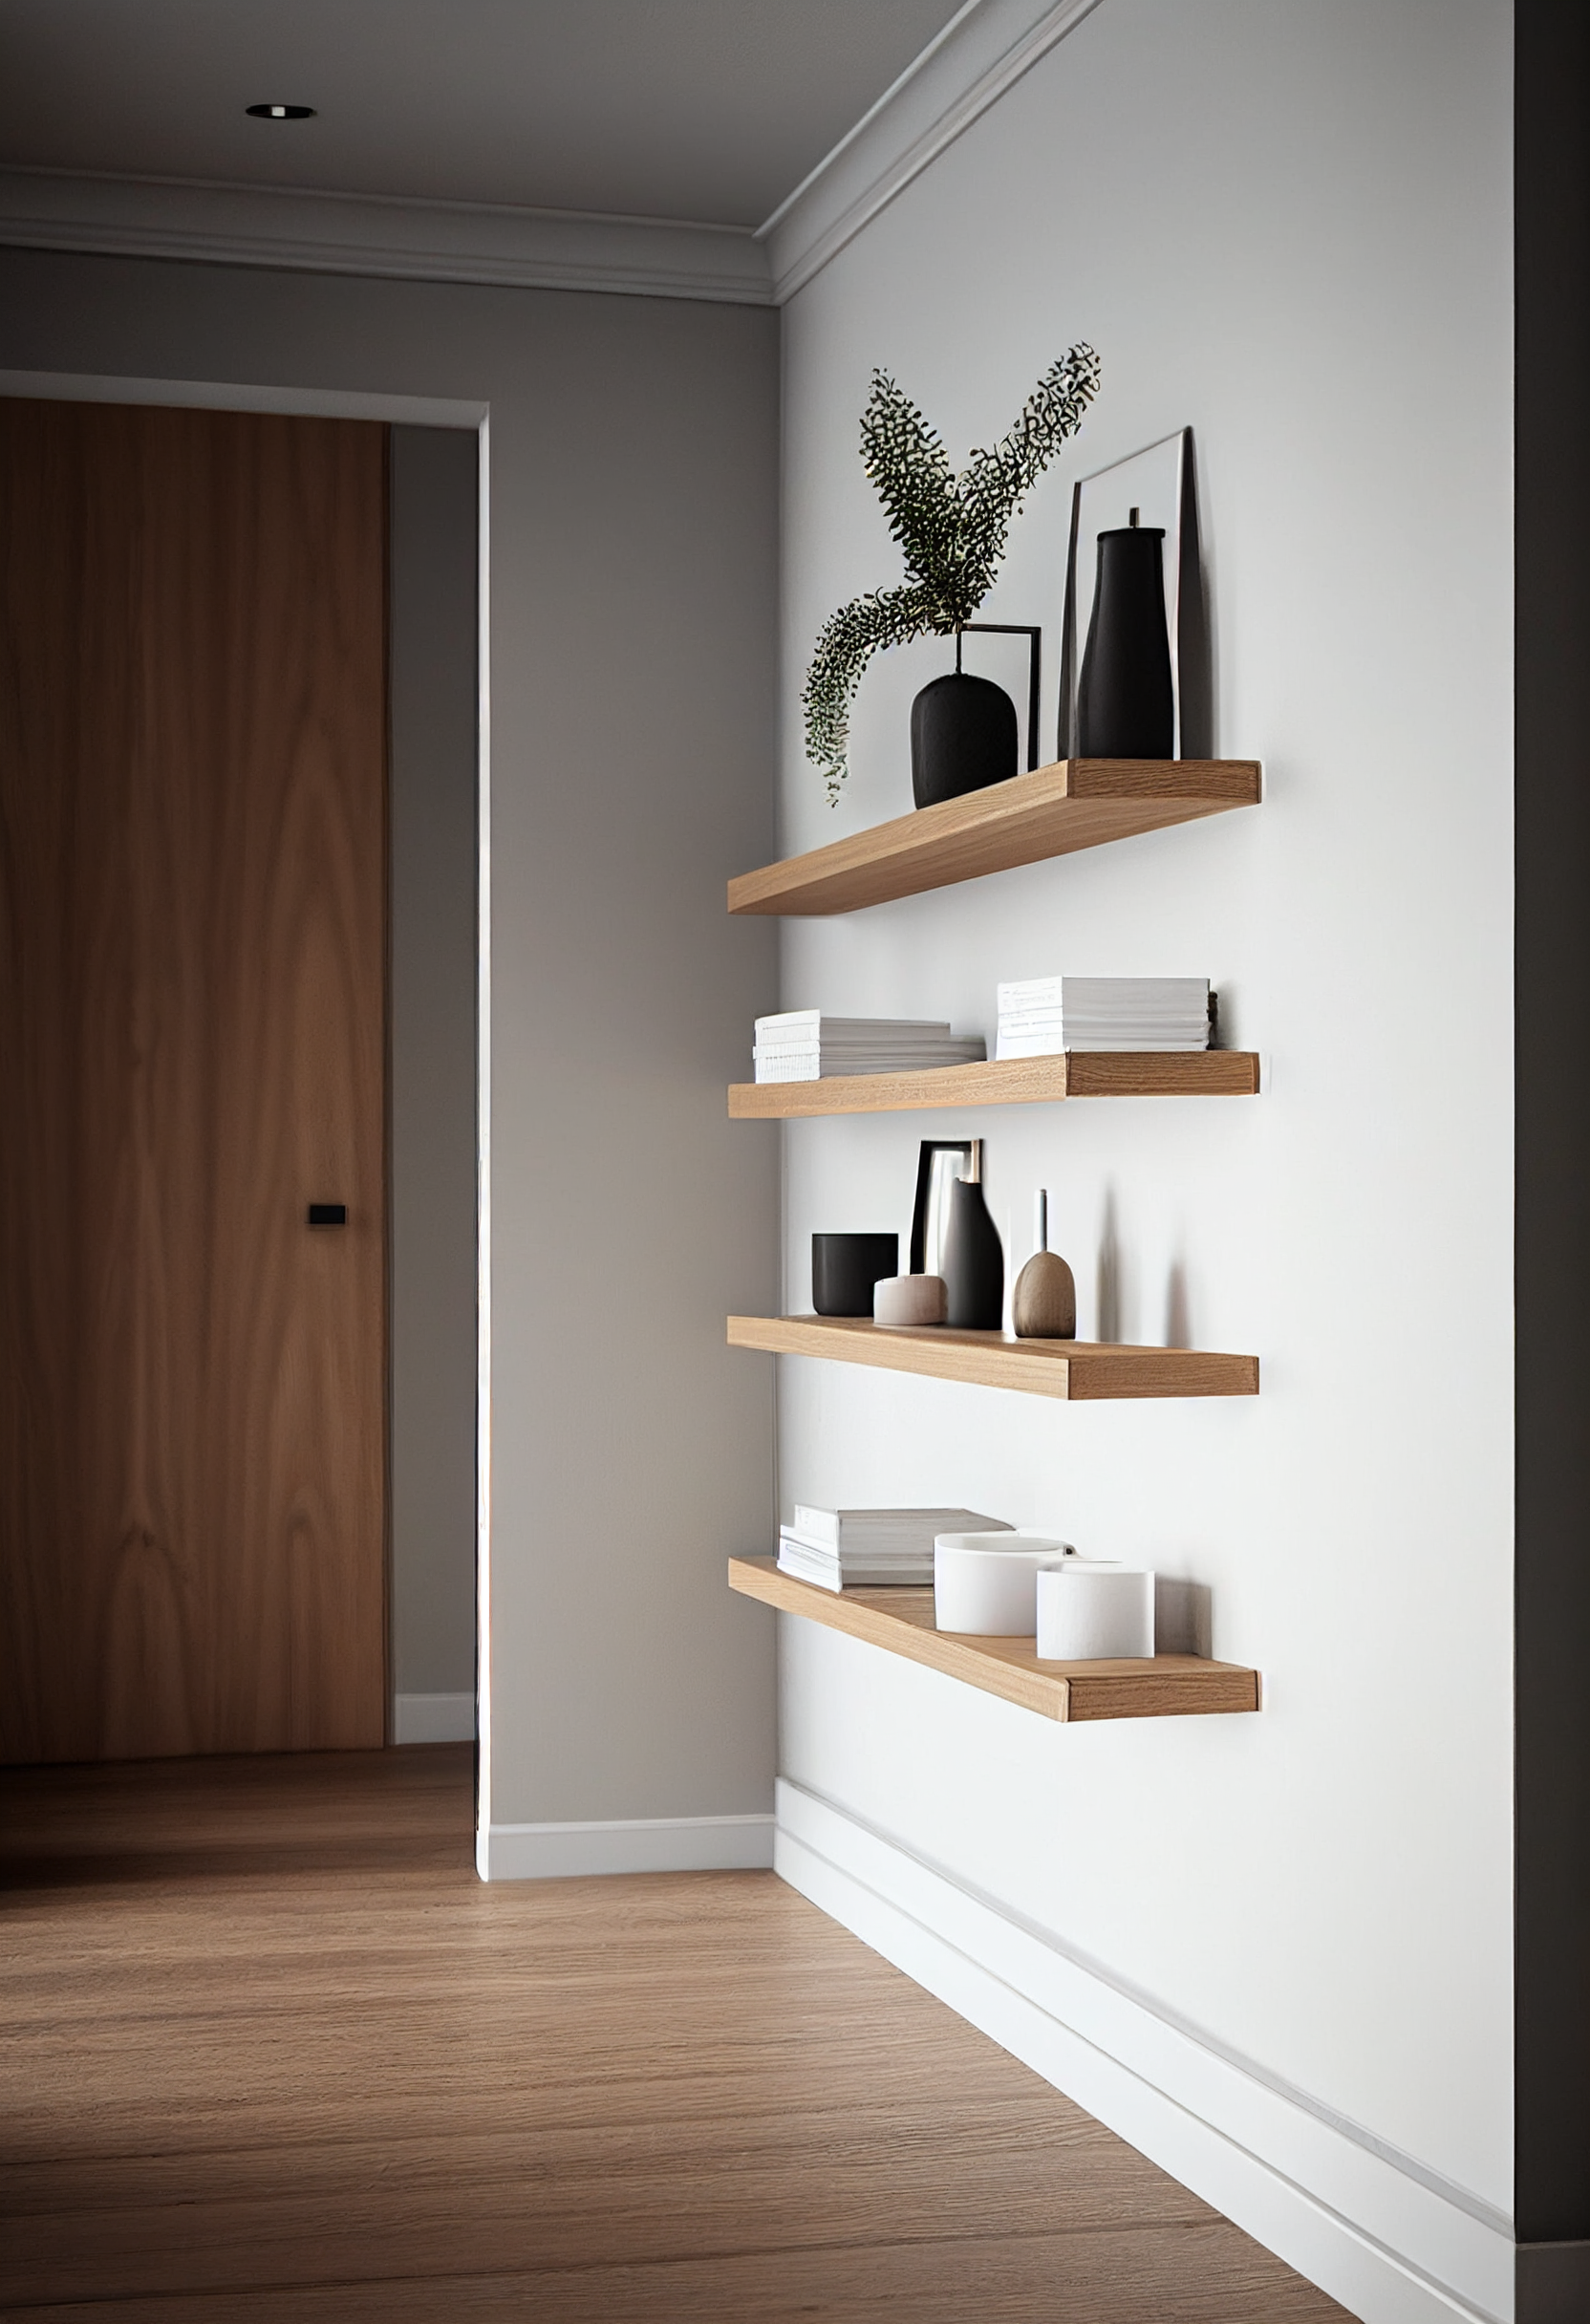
(951, 531)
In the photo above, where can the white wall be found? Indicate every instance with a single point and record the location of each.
(1288, 227)
(632, 521)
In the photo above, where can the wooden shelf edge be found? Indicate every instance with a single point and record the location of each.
(900, 1622)
(1055, 811)
(1006, 1080)
(1075, 1371)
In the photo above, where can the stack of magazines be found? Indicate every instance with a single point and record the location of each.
(834, 1547)
(805, 1046)
(1049, 1014)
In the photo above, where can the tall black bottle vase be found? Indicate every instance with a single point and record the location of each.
(1125, 705)
(972, 1261)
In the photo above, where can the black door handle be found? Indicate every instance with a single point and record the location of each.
(328, 1214)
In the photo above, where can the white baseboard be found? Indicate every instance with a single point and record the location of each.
(654, 1843)
(1390, 2240)
(433, 1718)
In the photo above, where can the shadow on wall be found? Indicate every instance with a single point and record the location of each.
(1194, 624)
(1113, 1286)
(1178, 1306)
(1183, 1617)
(1110, 1300)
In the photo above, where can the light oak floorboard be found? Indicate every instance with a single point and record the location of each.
(275, 2053)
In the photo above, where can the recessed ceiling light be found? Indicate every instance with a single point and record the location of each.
(280, 112)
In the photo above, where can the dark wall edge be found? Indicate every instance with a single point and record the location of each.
(1552, 2284)
(1552, 1234)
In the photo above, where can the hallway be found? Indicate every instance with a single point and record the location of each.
(273, 2052)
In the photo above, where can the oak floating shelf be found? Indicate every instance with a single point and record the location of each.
(1007, 1081)
(1077, 1370)
(1076, 802)
(901, 1621)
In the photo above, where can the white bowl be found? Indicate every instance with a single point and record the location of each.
(985, 1585)
(1091, 1610)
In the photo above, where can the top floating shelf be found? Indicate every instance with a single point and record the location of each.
(1076, 802)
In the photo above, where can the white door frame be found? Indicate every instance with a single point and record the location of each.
(397, 411)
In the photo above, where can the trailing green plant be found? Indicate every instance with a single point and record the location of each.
(952, 529)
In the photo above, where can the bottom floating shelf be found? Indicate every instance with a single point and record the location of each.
(900, 1621)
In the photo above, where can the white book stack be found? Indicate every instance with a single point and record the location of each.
(805, 1046)
(834, 1547)
(1048, 1014)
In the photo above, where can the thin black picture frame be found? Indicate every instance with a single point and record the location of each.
(966, 1147)
(1035, 668)
(1185, 604)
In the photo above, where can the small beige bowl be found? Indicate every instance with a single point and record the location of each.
(910, 1299)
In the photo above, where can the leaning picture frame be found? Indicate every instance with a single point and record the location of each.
(1160, 482)
(941, 1162)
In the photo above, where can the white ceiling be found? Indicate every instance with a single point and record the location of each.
(706, 110)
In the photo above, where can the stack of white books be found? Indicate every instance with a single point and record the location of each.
(835, 1546)
(805, 1046)
(1048, 1014)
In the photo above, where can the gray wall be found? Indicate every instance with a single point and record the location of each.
(434, 698)
(632, 515)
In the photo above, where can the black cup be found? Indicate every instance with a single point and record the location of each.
(844, 1267)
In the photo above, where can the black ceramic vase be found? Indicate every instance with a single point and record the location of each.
(1125, 709)
(972, 1261)
(962, 737)
(844, 1267)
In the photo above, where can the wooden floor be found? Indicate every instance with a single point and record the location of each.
(273, 2052)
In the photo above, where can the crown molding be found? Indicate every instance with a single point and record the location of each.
(322, 233)
(983, 51)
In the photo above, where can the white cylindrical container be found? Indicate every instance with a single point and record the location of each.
(984, 1584)
(910, 1298)
(1090, 1611)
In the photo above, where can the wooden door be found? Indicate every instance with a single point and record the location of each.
(192, 1052)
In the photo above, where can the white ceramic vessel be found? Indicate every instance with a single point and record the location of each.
(985, 1585)
(910, 1298)
(1092, 1611)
